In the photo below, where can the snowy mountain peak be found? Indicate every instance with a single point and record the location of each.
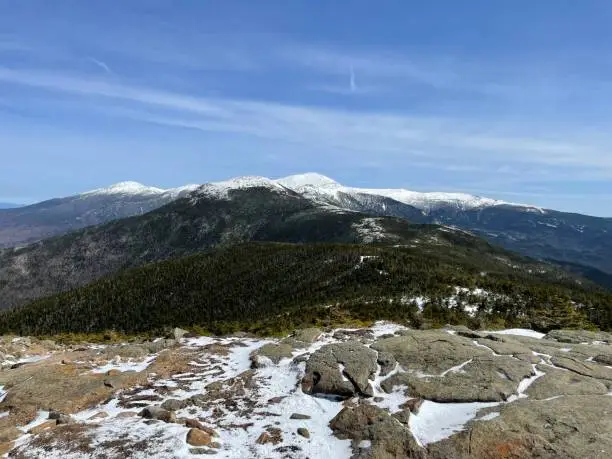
(316, 187)
(247, 181)
(127, 188)
(221, 189)
(319, 187)
(308, 179)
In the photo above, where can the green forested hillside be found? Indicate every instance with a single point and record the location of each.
(184, 227)
(267, 287)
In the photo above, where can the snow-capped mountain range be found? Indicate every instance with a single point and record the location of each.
(317, 186)
(314, 186)
(135, 189)
(527, 229)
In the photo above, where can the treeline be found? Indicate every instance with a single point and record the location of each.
(272, 287)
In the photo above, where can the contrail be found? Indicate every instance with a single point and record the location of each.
(100, 64)
(353, 83)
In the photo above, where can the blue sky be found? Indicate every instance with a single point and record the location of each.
(504, 99)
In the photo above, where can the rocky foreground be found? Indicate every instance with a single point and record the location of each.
(380, 392)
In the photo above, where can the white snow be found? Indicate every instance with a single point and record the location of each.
(40, 418)
(519, 332)
(434, 422)
(318, 186)
(129, 365)
(365, 444)
(420, 301)
(456, 369)
(381, 328)
(488, 417)
(308, 179)
(525, 383)
(10, 360)
(370, 230)
(221, 189)
(133, 188)
(437, 421)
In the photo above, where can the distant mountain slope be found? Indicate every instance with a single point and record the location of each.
(532, 231)
(32, 223)
(8, 205)
(220, 215)
(552, 235)
(529, 230)
(272, 287)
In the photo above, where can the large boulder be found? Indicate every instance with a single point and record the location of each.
(430, 351)
(342, 369)
(158, 413)
(387, 363)
(388, 438)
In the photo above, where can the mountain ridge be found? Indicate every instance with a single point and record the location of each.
(546, 234)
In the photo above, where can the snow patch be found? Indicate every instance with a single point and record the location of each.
(437, 421)
(519, 332)
(129, 365)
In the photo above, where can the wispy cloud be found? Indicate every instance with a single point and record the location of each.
(438, 72)
(352, 80)
(460, 142)
(100, 64)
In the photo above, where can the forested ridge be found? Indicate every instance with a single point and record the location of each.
(273, 287)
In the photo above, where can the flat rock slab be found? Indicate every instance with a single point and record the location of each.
(579, 336)
(483, 379)
(592, 370)
(573, 427)
(585, 351)
(342, 369)
(61, 387)
(431, 351)
(559, 382)
(507, 346)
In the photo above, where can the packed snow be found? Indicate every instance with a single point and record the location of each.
(125, 365)
(518, 332)
(126, 188)
(437, 421)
